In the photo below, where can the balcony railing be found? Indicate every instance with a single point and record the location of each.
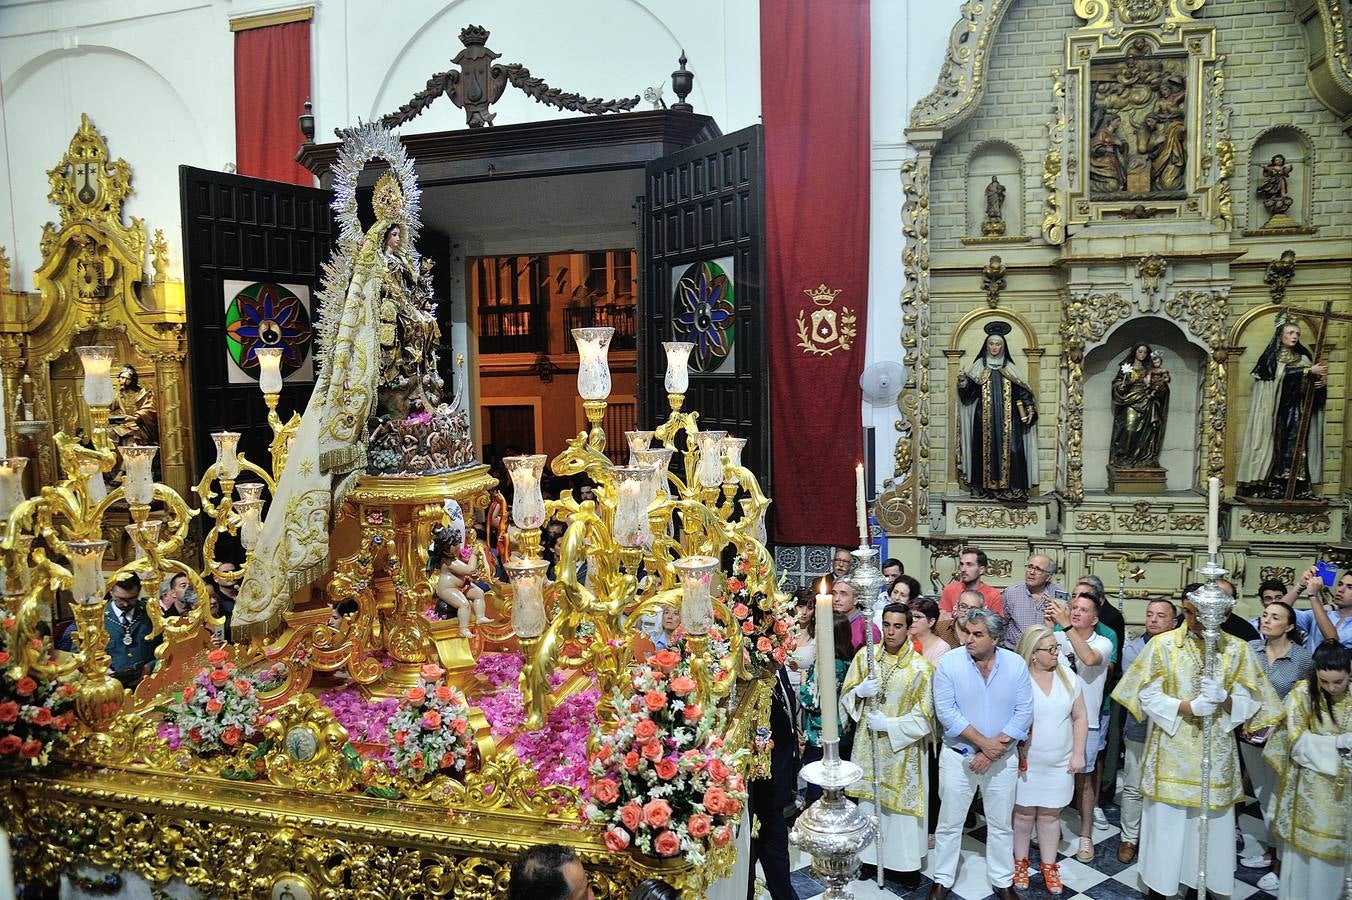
(620, 316)
(513, 330)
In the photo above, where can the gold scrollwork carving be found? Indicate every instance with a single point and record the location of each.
(1093, 521)
(1150, 269)
(1141, 519)
(1187, 522)
(1053, 216)
(1084, 317)
(1284, 574)
(1287, 522)
(993, 517)
(1000, 568)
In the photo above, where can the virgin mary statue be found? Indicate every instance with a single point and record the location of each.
(997, 423)
(329, 450)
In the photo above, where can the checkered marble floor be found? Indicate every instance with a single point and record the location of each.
(1103, 879)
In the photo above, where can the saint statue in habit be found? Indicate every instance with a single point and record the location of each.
(1271, 451)
(997, 419)
(1140, 409)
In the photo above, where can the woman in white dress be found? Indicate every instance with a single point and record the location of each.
(1049, 758)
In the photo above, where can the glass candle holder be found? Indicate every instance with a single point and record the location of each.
(677, 379)
(710, 470)
(139, 483)
(528, 503)
(593, 369)
(633, 485)
(86, 563)
(638, 440)
(250, 522)
(528, 596)
(660, 459)
(147, 533)
(697, 607)
(732, 450)
(98, 375)
(758, 526)
(269, 369)
(249, 490)
(11, 484)
(227, 446)
(15, 579)
(92, 473)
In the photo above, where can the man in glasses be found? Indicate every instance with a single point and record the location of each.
(1026, 602)
(841, 563)
(949, 627)
(1160, 616)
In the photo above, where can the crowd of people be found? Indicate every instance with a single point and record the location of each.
(1035, 698)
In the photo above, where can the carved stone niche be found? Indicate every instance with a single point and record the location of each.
(994, 159)
(1186, 362)
(1274, 150)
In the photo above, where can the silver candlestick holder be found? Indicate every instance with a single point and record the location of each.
(1213, 606)
(867, 580)
(834, 829)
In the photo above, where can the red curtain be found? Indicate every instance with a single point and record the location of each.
(815, 106)
(272, 83)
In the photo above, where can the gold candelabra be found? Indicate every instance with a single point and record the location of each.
(649, 539)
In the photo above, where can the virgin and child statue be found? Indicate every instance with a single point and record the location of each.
(1140, 409)
(378, 360)
(1272, 452)
(997, 423)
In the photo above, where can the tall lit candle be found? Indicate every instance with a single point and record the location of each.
(860, 506)
(1213, 516)
(826, 665)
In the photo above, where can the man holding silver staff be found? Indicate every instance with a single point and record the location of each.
(1166, 687)
(902, 718)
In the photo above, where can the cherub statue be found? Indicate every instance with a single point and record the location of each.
(456, 590)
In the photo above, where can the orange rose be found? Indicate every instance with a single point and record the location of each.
(665, 660)
(692, 712)
(740, 610)
(606, 791)
(9, 711)
(214, 706)
(218, 656)
(30, 749)
(699, 826)
(431, 720)
(735, 585)
(655, 700)
(631, 814)
(645, 730)
(415, 695)
(25, 686)
(189, 692)
(242, 686)
(737, 784)
(43, 716)
(781, 626)
(4, 657)
(651, 750)
(417, 761)
(432, 671)
(763, 644)
(631, 761)
(458, 726)
(400, 737)
(682, 685)
(718, 770)
(9, 745)
(444, 693)
(781, 654)
(657, 813)
(666, 769)
(617, 840)
(219, 677)
(230, 737)
(722, 836)
(732, 806)
(667, 844)
(748, 627)
(714, 798)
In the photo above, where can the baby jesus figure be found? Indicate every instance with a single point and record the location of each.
(456, 590)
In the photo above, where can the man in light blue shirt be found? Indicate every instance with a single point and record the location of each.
(1318, 622)
(984, 702)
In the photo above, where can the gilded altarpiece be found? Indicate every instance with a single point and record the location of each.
(93, 288)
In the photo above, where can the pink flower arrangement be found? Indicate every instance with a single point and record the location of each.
(766, 621)
(664, 783)
(216, 711)
(365, 719)
(558, 751)
(35, 711)
(430, 730)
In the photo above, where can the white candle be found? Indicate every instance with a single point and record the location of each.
(860, 507)
(826, 665)
(1213, 517)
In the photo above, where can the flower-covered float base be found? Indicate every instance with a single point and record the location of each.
(308, 797)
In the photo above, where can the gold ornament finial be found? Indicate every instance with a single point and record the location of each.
(388, 200)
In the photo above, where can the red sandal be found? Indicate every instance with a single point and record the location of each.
(1051, 877)
(1021, 874)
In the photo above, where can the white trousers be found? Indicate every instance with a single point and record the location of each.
(1131, 791)
(957, 785)
(1306, 877)
(1264, 782)
(1170, 839)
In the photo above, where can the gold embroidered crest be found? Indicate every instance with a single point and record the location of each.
(825, 330)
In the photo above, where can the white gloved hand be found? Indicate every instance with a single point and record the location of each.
(1202, 707)
(1344, 741)
(866, 688)
(877, 721)
(1213, 690)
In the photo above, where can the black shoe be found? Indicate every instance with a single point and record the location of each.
(867, 872)
(909, 880)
